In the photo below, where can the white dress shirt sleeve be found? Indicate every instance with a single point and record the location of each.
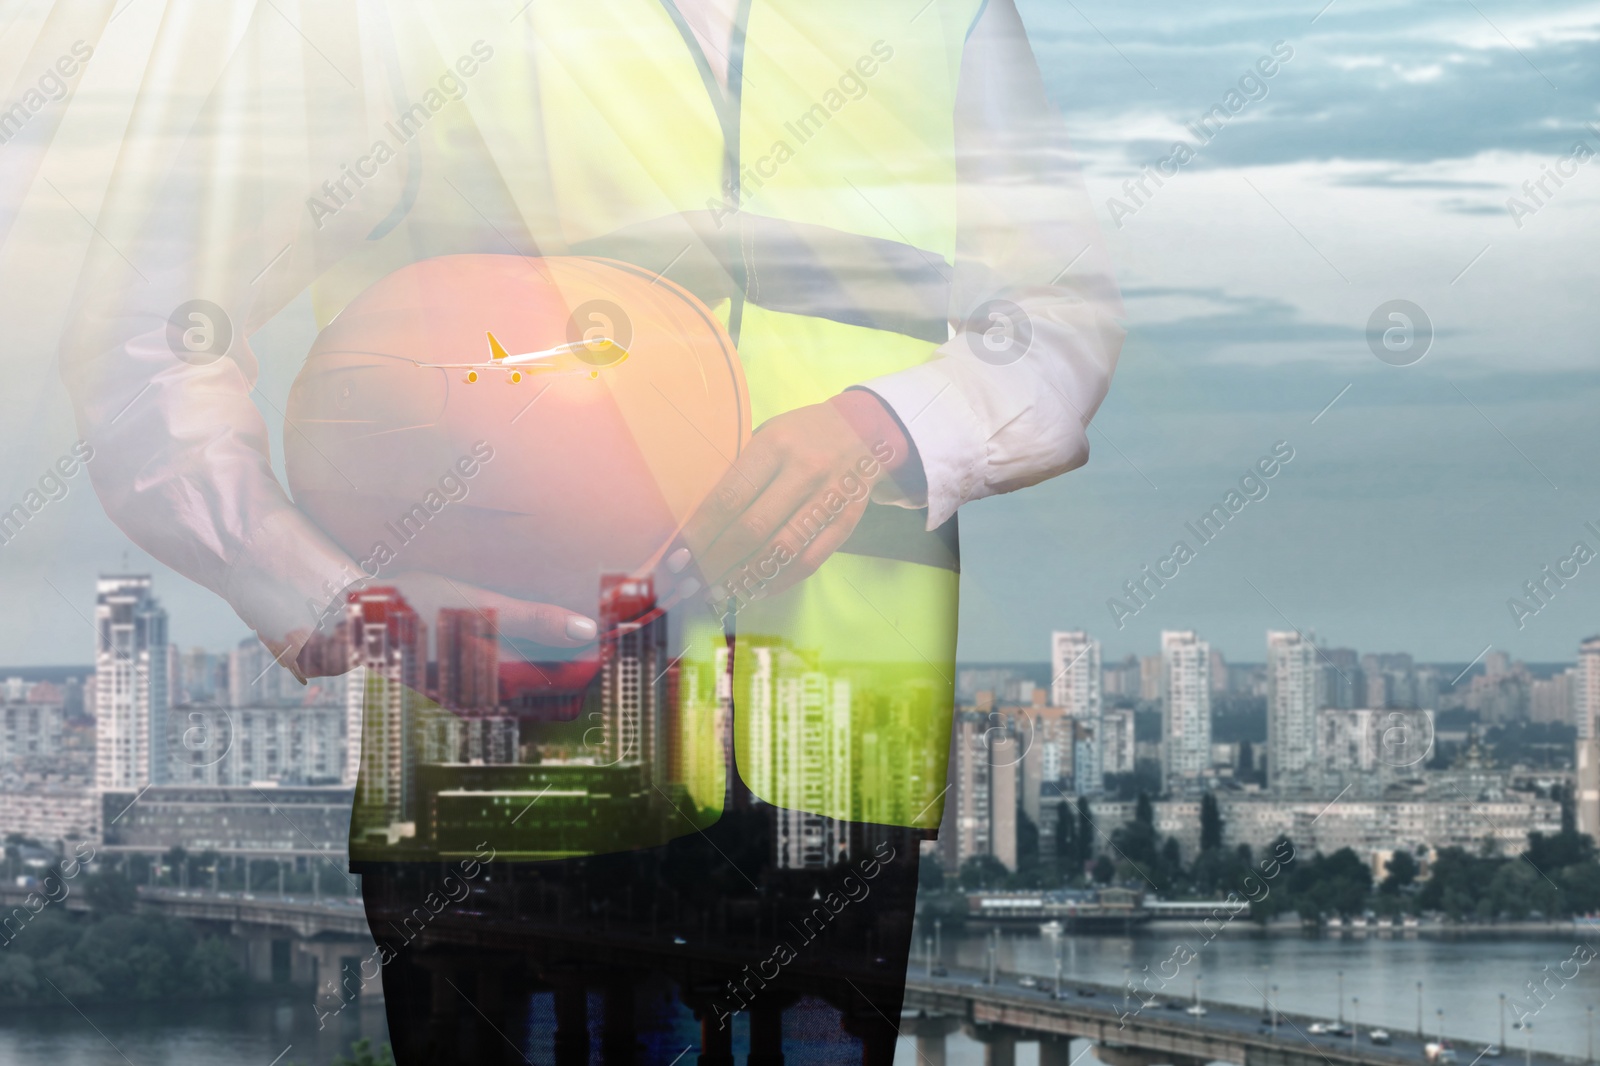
(1006, 403)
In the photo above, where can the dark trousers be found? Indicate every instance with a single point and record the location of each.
(708, 919)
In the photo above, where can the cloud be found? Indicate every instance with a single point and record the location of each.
(1385, 81)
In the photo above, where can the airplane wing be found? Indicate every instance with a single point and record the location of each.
(502, 360)
(497, 365)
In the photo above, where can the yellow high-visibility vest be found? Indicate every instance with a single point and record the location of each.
(812, 206)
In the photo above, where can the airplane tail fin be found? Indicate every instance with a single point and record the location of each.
(494, 347)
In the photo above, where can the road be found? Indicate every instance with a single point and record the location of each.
(1094, 1009)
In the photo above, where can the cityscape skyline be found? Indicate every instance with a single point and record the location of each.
(1113, 645)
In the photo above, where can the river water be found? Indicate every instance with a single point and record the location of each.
(1462, 975)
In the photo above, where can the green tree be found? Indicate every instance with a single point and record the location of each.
(1066, 840)
(361, 1054)
(930, 874)
(213, 970)
(110, 893)
(983, 871)
(1171, 855)
(1086, 833)
(1402, 871)
(1331, 884)
(1027, 847)
(1549, 853)
(1104, 870)
(17, 979)
(1210, 823)
(1143, 812)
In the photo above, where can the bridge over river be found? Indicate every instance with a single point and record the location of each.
(316, 941)
(1128, 1032)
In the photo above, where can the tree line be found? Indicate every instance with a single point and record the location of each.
(1557, 876)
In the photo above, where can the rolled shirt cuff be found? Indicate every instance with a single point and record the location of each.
(933, 407)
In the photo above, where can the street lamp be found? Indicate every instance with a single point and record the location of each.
(1057, 989)
(1355, 1020)
(1127, 985)
(938, 945)
(1197, 1007)
(1419, 1010)
(1341, 997)
(1440, 1013)
(1266, 975)
(927, 954)
(1274, 1012)
(1502, 1021)
(1527, 1049)
(1589, 1010)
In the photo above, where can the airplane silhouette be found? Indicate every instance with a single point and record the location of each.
(586, 356)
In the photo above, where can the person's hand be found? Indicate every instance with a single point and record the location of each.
(795, 496)
(541, 623)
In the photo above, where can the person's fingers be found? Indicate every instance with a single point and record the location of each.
(763, 521)
(812, 555)
(793, 555)
(286, 652)
(543, 623)
(734, 492)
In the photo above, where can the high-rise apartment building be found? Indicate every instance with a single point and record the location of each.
(633, 664)
(1348, 753)
(1551, 699)
(388, 652)
(1586, 694)
(1219, 673)
(1121, 679)
(241, 746)
(469, 658)
(31, 728)
(1117, 744)
(1294, 678)
(1075, 687)
(198, 676)
(796, 728)
(980, 815)
(1185, 710)
(1150, 678)
(1343, 685)
(132, 692)
(255, 679)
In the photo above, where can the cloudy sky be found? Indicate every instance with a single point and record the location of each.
(1375, 167)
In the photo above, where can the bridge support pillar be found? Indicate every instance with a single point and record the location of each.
(487, 1039)
(619, 1037)
(572, 1022)
(766, 1036)
(258, 959)
(302, 964)
(1000, 1049)
(930, 1031)
(1055, 1051)
(716, 1039)
(444, 1014)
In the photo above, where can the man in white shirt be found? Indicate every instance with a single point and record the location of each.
(1024, 303)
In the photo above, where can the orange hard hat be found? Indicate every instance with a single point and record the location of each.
(523, 424)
